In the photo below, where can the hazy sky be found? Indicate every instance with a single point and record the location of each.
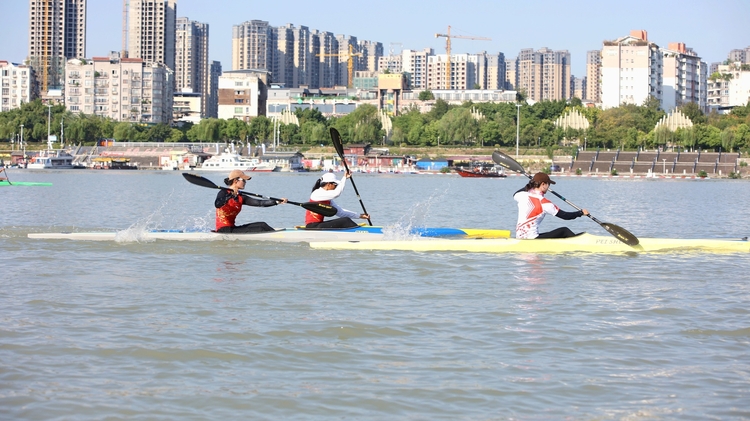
(711, 28)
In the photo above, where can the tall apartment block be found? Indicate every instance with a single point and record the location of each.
(17, 85)
(732, 91)
(371, 53)
(495, 76)
(632, 70)
(544, 74)
(149, 30)
(124, 89)
(213, 89)
(578, 86)
(342, 67)
(511, 73)
(594, 76)
(191, 73)
(327, 60)
(57, 32)
(684, 77)
(415, 65)
(742, 56)
(252, 44)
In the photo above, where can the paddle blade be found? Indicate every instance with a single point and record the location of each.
(507, 162)
(200, 180)
(621, 234)
(336, 139)
(325, 210)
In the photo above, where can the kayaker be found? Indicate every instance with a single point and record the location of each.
(533, 206)
(325, 190)
(229, 203)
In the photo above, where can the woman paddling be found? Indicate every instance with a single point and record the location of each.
(325, 190)
(532, 206)
(229, 203)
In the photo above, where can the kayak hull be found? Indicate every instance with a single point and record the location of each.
(22, 183)
(291, 235)
(584, 243)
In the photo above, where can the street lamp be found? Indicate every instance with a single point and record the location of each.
(49, 119)
(664, 165)
(21, 146)
(518, 126)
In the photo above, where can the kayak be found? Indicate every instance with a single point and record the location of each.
(22, 183)
(584, 243)
(291, 235)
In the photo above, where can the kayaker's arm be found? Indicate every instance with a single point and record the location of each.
(568, 215)
(225, 195)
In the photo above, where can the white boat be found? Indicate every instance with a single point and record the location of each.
(228, 161)
(56, 160)
(285, 235)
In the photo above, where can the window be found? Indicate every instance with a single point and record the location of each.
(238, 110)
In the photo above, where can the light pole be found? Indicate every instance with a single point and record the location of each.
(61, 132)
(49, 119)
(21, 146)
(664, 165)
(518, 126)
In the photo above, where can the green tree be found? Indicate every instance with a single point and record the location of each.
(426, 96)
(693, 112)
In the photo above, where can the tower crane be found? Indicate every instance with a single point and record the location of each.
(448, 37)
(350, 61)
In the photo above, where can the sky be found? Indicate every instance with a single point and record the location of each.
(711, 28)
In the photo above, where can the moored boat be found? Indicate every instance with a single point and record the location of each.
(584, 243)
(228, 161)
(291, 235)
(51, 160)
(481, 173)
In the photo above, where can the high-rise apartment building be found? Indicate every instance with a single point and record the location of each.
(328, 45)
(495, 71)
(346, 44)
(729, 87)
(632, 70)
(511, 73)
(149, 30)
(371, 53)
(57, 32)
(17, 85)
(544, 74)
(578, 86)
(742, 56)
(123, 89)
(593, 76)
(191, 73)
(468, 71)
(684, 77)
(252, 44)
(415, 66)
(213, 89)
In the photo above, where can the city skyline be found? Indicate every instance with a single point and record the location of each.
(577, 28)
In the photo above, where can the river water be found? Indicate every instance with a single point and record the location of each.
(246, 330)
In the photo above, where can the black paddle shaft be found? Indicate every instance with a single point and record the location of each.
(323, 209)
(336, 138)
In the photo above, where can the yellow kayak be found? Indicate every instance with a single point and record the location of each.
(584, 243)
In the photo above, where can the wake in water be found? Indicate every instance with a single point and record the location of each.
(155, 222)
(409, 225)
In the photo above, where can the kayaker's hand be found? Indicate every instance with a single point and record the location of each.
(348, 174)
(585, 212)
(283, 200)
(364, 216)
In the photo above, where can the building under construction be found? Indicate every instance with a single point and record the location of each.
(57, 32)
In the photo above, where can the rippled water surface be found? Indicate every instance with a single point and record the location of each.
(252, 330)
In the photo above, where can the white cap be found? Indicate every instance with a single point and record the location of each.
(329, 177)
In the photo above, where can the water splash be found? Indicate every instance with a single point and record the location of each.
(407, 227)
(138, 231)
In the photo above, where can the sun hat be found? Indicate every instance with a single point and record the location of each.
(541, 177)
(329, 177)
(238, 174)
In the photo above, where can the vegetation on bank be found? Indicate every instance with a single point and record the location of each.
(444, 127)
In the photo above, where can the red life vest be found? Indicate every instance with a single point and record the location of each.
(311, 217)
(226, 214)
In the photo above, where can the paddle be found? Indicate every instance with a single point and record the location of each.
(325, 210)
(336, 138)
(6, 176)
(620, 233)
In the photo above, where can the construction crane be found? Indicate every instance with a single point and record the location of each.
(350, 61)
(448, 37)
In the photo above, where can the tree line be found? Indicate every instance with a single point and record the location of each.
(628, 127)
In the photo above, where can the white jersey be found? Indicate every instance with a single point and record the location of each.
(532, 206)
